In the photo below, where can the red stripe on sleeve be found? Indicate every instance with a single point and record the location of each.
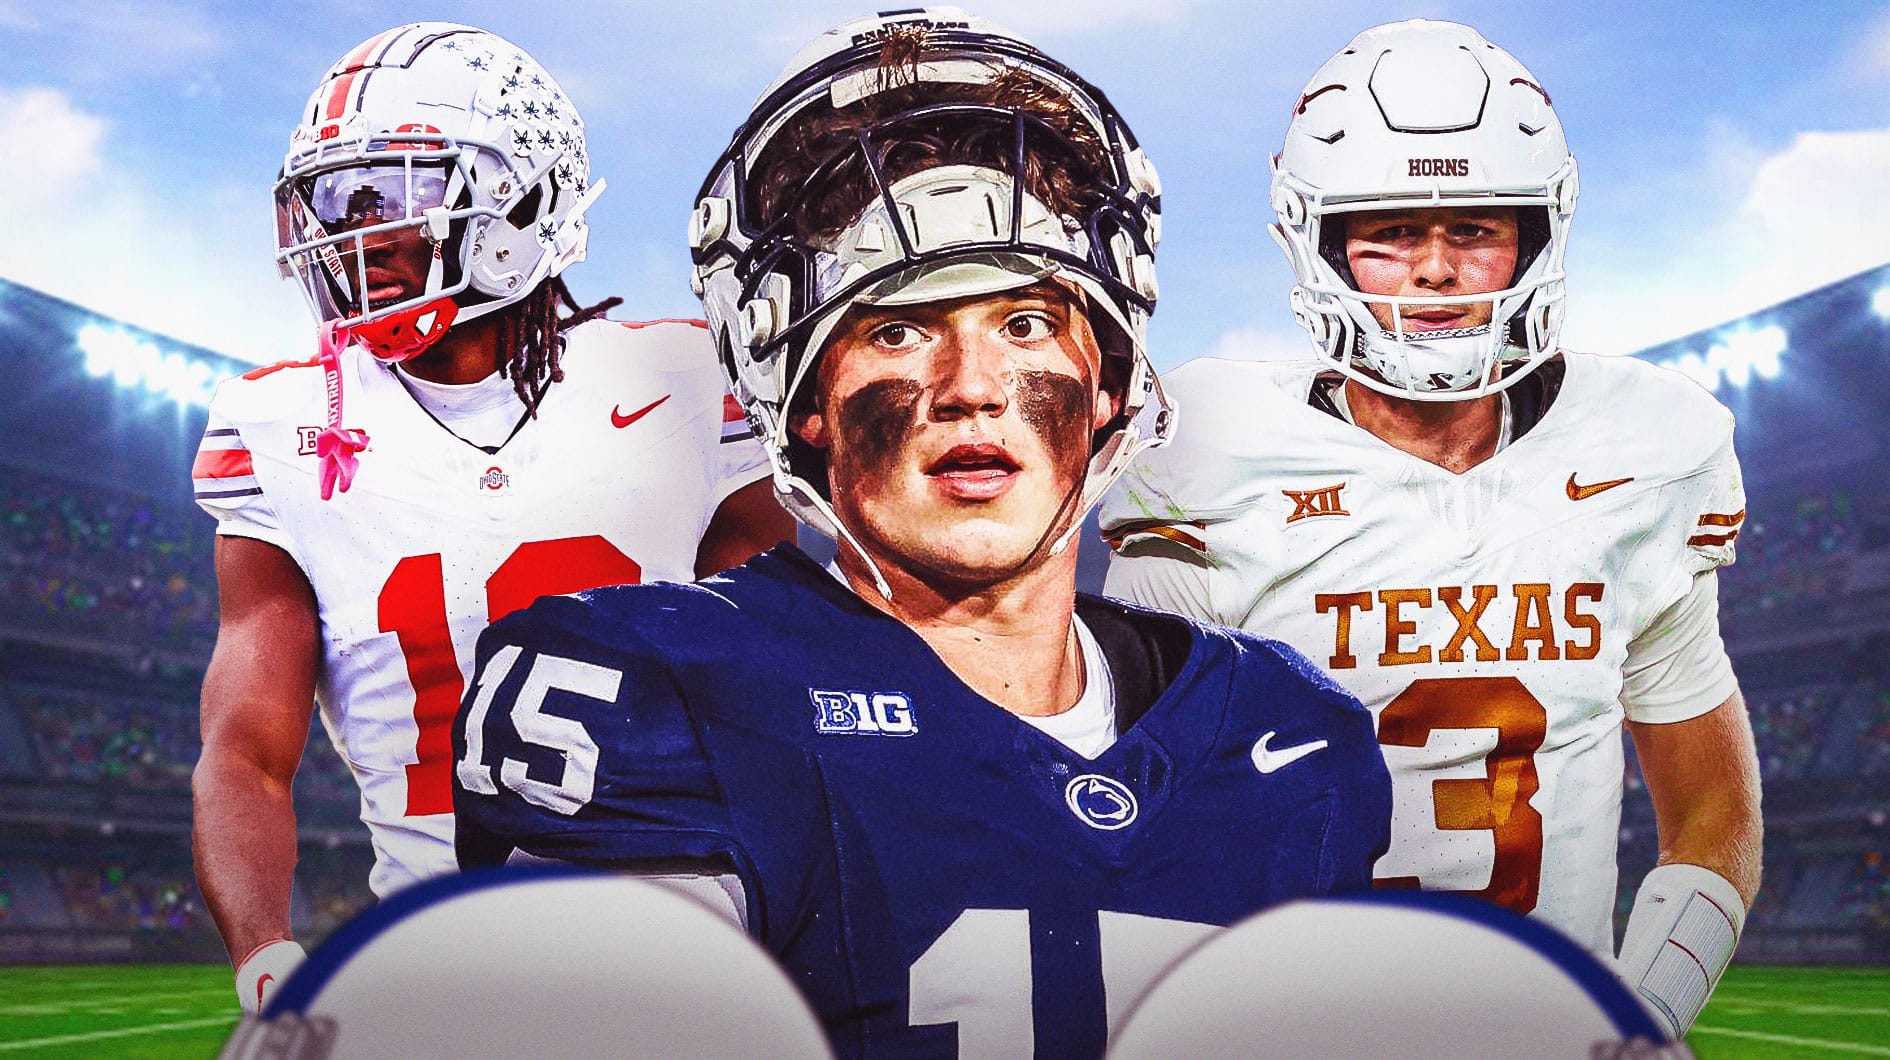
(222, 463)
(731, 409)
(271, 369)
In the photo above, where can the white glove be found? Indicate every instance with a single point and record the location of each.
(1679, 939)
(263, 972)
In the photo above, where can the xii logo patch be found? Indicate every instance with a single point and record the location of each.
(1308, 503)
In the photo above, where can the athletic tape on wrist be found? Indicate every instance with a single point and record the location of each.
(1680, 937)
(264, 970)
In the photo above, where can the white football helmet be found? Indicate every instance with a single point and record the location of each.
(445, 130)
(773, 295)
(1389, 974)
(535, 961)
(1423, 114)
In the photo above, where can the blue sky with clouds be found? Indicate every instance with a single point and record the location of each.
(1732, 154)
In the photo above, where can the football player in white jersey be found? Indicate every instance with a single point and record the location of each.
(380, 503)
(1505, 549)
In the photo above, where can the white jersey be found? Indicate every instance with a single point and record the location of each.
(615, 481)
(1499, 623)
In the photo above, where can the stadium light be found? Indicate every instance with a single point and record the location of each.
(135, 363)
(1880, 303)
(1746, 353)
(1737, 357)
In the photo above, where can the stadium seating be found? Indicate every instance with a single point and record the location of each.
(87, 737)
(1874, 752)
(126, 896)
(1788, 556)
(102, 562)
(1789, 730)
(108, 614)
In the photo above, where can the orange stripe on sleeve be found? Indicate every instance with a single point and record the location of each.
(1711, 519)
(1172, 533)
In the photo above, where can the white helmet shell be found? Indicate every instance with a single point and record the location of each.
(771, 295)
(535, 960)
(1389, 974)
(479, 118)
(1422, 114)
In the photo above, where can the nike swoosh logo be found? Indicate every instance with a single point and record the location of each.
(1268, 760)
(267, 978)
(1582, 493)
(618, 419)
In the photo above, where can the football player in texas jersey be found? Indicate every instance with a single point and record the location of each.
(969, 810)
(1505, 549)
(459, 447)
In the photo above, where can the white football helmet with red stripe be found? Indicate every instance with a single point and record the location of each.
(444, 146)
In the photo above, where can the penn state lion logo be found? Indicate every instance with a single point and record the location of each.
(1101, 802)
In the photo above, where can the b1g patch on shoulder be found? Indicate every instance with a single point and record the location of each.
(863, 713)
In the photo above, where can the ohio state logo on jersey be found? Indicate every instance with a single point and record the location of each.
(494, 479)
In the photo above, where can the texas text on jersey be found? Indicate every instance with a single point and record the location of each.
(925, 864)
(436, 536)
(1524, 606)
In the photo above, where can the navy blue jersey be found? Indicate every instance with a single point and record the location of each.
(934, 872)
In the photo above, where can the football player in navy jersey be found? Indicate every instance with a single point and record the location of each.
(970, 812)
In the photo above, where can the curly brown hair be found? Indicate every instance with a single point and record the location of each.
(809, 170)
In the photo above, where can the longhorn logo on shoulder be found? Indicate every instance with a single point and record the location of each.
(494, 479)
(1101, 802)
(863, 713)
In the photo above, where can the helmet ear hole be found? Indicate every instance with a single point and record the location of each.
(1332, 249)
(525, 213)
(1532, 238)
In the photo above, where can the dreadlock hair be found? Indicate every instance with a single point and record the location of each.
(1062, 180)
(535, 334)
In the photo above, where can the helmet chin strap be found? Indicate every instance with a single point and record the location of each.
(1061, 542)
(845, 536)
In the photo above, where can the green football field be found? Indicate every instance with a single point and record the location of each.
(187, 1009)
